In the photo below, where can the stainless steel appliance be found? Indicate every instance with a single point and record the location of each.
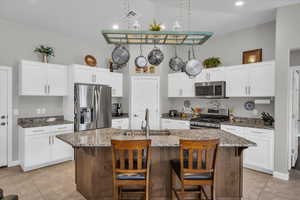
(211, 118)
(210, 90)
(92, 106)
(173, 113)
(117, 110)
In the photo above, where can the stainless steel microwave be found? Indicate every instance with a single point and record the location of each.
(210, 90)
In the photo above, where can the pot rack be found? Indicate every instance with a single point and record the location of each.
(136, 37)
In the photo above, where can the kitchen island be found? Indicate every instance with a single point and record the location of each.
(93, 164)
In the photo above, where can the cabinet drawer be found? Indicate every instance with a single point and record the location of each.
(37, 131)
(63, 128)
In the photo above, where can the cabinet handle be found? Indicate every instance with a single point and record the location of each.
(53, 139)
(249, 90)
(49, 139)
(62, 128)
(45, 89)
(48, 89)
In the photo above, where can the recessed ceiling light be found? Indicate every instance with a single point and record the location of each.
(115, 26)
(239, 3)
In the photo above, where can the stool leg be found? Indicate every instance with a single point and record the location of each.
(171, 183)
(212, 192)
(200, 194)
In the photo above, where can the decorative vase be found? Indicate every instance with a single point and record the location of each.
(45, 58)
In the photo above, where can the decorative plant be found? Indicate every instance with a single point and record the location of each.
(45, 52)
(155, 26)
(211, 62)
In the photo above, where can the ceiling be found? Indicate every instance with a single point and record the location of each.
(83, 18)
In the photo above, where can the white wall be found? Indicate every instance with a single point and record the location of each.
(287, 39)
(18, 41)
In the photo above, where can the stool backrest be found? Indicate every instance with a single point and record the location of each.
(198, 156)
(131, 156)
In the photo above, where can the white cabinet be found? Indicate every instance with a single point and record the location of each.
(120, 123)
(236, 81)
(42, 79)
(116, 83)
(39, 147)
(213, 74)
(251, 80)
(93, 75)
(180, 85)
(174, 124)
(260, 157)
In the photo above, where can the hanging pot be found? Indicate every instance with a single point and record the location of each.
(176, 63)
(120, 55)
(141, 61)
(155, 57)
(193, 67)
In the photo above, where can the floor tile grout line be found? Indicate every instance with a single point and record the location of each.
(263, 188)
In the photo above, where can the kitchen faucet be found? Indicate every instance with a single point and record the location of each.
(146, 128)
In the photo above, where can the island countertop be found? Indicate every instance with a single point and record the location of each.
(102, 138)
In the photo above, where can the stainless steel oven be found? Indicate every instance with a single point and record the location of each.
(210, 90)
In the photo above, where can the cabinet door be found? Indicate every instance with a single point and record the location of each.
(102, 76)
(236, 130)
(216, 74)
(259, 157)
(180, 85)
(262, 80)
(125, 123)
(37, 150)
(83, 75)
(60, 150)
(116, 123)
(203, 76)
(236, 81)
(33, 79)
(57, 80)
(116, 82)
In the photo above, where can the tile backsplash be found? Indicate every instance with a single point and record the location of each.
(236, 104)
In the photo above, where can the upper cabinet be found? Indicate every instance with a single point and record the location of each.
(213, 74)
(42, 79)
(180, 85)
(252, 80)
(93, 75)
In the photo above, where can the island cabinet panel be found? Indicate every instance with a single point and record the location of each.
(94, 172)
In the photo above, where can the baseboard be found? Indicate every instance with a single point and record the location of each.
(13, 163)
(25, 169)
(267, 171)
(281, 176)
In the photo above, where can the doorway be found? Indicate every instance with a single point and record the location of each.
(144, 94)
(5, 115)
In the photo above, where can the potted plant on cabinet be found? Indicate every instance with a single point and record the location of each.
(211, 62)
(45, 51)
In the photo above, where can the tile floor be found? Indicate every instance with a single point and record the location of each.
(57, 183)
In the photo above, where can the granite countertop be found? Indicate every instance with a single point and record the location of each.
(34, 122)
(248, 124)
(102, 138)
(124, 115)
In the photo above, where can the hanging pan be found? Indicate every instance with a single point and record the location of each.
(193, 66)
(120, 55)
(155, 57)
(176, 63)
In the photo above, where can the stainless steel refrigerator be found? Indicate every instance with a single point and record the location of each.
(92, 106)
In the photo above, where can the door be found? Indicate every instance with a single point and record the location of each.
(3, 117)
(33, 79)
(57, 80)
(236, 81)
(262, 80)
(37, 149)
(103, 106)
(295, 115)
(144, 94)
(60, 150)
(216, 74)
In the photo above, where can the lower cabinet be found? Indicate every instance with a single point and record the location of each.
(174, 124)
(260, 157)
(39, 147)
(120, 123)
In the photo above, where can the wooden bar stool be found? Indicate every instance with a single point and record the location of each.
(131, 167)
(195, 168)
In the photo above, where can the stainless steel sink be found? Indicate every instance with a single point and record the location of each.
(141, 133)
